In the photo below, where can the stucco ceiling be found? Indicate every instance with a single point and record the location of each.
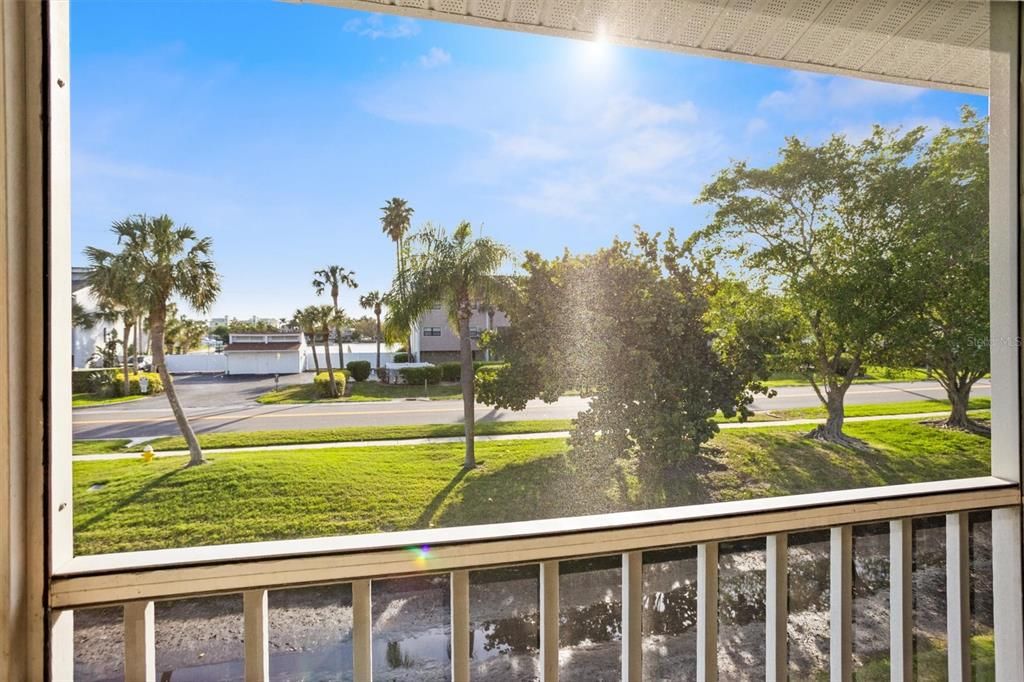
(934, 43)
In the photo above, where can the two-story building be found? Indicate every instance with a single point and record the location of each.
(434, 340)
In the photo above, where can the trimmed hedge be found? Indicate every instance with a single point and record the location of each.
(400, 357)
(417, 375)
(322, 381)
(452, 371)
(91, 380)
(359, 369)
(155, 384)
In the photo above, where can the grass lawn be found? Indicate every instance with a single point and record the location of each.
(349, 434)
(90, 400)
(872, 375)
(362, 391)
(98, 447)
(242, 497)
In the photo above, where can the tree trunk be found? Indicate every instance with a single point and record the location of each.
(127, 388)
(959, 394)
(337, 332)
(156, 332)
(832, 430)
(316, 360)
(377, 366)
(468, 398)
(330, 367)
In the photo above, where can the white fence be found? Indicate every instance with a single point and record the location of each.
(204, 363)
(353, 352)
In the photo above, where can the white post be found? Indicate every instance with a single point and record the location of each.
(958, 597)
(139, 642)
(632, 616)
(841, 604)
(901, 563)
(776, 602)
(707, 612)
(1004, 275)
(549, 621)
(257, 636)
(460, 625)
(362, 632)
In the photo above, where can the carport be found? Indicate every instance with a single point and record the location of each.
(265, 354)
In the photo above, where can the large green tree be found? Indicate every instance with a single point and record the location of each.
(166, 260)
(332, 279)
(395, 222)
(457, 270)
(826, 228)
(948, 330)
(624, 326)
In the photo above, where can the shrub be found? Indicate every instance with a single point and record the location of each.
(400, 357)
(477, 364)
(322, 381)
(91, 380)
(359, 369)
(417, 375)
(451, 371)
(117, 383)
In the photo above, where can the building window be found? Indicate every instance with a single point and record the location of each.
(431, 331)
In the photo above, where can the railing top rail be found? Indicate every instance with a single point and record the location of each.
(157, 574)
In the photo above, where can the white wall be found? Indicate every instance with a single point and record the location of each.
(262, 362)
(353, 352)
(197, 363)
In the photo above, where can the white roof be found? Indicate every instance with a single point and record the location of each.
(933, 43)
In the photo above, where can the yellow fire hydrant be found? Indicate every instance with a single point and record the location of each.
(147, 453)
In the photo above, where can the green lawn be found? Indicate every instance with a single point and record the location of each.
(348, 434)
(872, 375)
(243, 497)
(362, 391)
(91, 400)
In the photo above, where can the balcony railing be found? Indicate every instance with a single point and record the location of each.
(136, 580)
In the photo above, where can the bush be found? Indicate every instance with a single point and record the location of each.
(417, 375)
(322, 381)
(91, 380)
(400, 357)
(477, 364)
(451, 371)
(117, 383)
(359, 369)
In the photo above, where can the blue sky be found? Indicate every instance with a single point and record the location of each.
(280, 130)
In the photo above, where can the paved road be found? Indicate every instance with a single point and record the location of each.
(227, 404)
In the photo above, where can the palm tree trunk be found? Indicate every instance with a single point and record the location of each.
(127, 388)
(330, 368)
(468, 399)
(337, 333)
(377, 366)
(156, 331)
(316, 359)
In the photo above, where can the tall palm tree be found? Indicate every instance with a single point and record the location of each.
(165, 261)
(374, 301)
(395, 222)
(304, 320)
(334, 277)
(323, 319)
(119, 298)
(456, 269)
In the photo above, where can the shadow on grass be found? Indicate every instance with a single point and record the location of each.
(126, 502)
(427, 515)
(539, 489)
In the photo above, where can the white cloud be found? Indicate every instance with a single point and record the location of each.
(378, 26)
(810, 94)
(434, 58)
(528, 147)
(756, 126)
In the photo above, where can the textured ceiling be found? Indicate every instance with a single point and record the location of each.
(935, 43)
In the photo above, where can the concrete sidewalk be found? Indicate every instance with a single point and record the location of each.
(398, 442)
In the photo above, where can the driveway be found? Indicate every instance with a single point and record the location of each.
(220, 390)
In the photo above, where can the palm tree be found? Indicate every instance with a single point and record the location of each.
(304, 320)
(323, 318)
(334, 277)
(119, 298)
(457, 270)
(165, 261)
(375, 301)
(395, 222)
